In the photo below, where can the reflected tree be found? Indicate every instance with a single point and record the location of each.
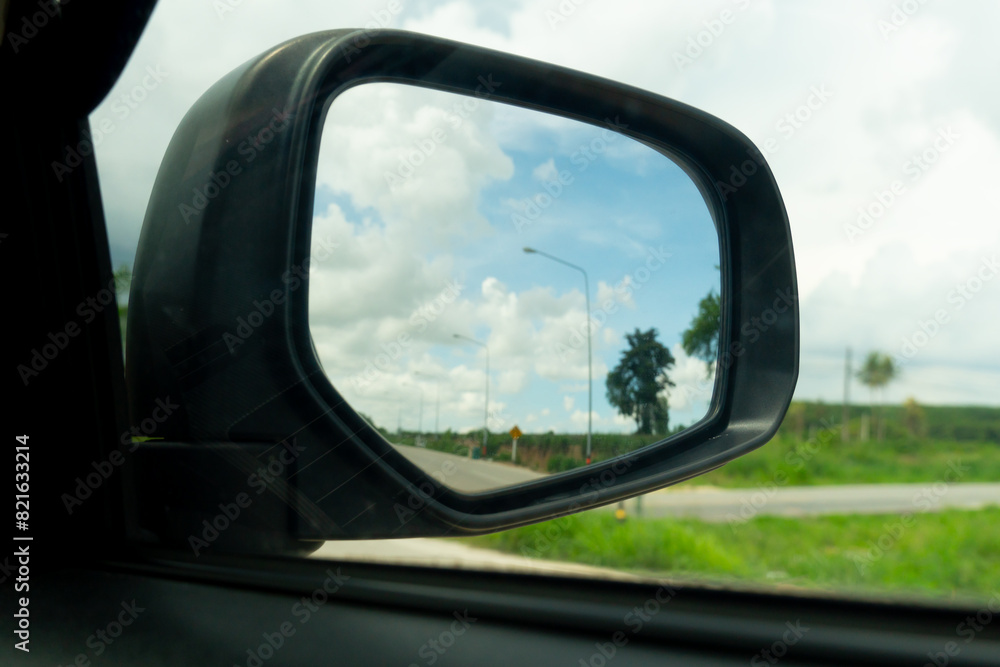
(634, 386)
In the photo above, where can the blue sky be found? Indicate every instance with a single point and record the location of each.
(626, 214)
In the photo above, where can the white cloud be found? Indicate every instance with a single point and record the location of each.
(579, 418)
(608, 294)
(546, 171)
(693, 386)
(400, 151)
(889, 98)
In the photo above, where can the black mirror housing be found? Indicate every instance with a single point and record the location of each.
(218, 312)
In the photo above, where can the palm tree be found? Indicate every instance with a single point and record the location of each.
(877, 371)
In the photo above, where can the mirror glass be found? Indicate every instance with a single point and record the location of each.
(481, 271)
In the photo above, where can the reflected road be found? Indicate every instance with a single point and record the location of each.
(465, 474)
(714, 504)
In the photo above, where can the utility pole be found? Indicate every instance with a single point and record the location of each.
(486, 409)
(845, 415)
(420, 414)
(590, 357)
(437, 401)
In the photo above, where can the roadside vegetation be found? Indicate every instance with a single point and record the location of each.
(820, 461)
(949, 554)
(919, 443)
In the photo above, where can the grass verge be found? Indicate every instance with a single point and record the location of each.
(826, 460)
(950, 554)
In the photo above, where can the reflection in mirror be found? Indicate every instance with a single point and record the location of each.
(505, 293)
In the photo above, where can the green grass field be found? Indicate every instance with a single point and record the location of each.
(919, 445)
(826, 460)
(951, 554)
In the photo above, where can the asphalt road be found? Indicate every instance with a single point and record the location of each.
(701, 502)
(465, 474)
(712, 504)
(686, 500)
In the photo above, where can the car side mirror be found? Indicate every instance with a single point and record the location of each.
(257, 424)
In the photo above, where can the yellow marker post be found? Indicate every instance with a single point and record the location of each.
(515, 434)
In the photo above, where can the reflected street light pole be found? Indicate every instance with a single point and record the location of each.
(437, 397)
(486, 416)
(590, 365)
(420, 410)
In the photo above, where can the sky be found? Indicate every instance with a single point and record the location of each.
(875, 117)
(427, 213)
